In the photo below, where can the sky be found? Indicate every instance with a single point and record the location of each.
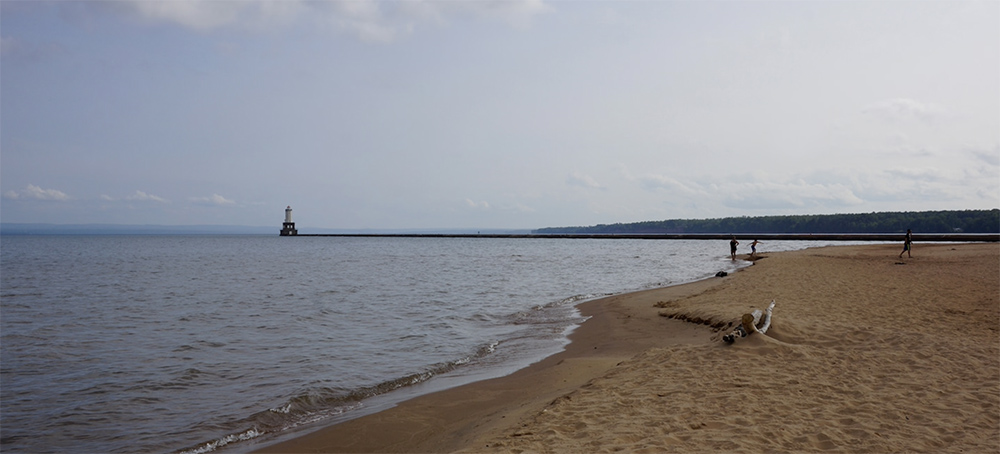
(370, 114)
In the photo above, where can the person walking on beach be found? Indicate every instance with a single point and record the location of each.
(732, 247)
(907, 244)
(753, 248)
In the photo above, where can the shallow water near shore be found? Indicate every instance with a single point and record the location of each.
(201, 343)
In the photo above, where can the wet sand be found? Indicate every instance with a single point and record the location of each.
(867, 353)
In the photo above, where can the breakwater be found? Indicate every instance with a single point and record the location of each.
(947, 237)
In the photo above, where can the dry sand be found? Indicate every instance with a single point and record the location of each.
(866, 353)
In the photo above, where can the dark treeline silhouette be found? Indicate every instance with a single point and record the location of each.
(967, 221)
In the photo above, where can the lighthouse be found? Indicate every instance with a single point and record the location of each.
(288, 227)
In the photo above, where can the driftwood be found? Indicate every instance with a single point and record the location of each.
(749, 324)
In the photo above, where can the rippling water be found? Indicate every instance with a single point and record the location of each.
(199, 343)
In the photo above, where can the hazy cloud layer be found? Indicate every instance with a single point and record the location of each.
(32, 192)
(582, 180)
(139, 195)
(904, 109)
(499, 114)
(214, 199)
(369, 20)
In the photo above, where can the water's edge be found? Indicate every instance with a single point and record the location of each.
(444, 382)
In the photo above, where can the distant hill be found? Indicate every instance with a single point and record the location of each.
(967, 221)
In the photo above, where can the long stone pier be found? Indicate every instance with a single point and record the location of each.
(946, 237)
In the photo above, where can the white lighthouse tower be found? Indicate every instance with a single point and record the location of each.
(288, 227)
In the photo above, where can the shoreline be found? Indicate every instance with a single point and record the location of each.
(852, 362)
(617, 327)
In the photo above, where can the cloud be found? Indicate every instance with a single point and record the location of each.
(369, 20)
(990, 157)
(484, 205)
(522, 208)
(971, 182)
(904, 108)
(215, 199)
(926, 174)
(142, 196)
(789, 195)
(758, 192)
(655, 182)
(583, 180)
(515, 13)
(205, 15)
(34, 192)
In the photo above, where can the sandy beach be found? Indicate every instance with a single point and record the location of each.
(867, 352)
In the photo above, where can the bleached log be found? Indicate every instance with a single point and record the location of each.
(767, 319)
(749, 324)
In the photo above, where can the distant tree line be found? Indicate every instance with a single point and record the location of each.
(967, 221)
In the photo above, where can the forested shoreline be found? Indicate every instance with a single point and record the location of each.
(964, 221)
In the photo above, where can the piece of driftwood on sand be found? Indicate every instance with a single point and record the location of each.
(749, 324)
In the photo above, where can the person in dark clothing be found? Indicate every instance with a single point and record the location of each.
(907, 244)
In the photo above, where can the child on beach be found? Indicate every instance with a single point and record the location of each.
(753, 248)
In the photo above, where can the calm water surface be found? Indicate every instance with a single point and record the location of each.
(204, 343)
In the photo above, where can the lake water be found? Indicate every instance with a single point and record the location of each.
(132, 343)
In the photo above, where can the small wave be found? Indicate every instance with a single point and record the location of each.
(560, 312)
(578, 298)
(284, 410)
(492, 347)
(322, 403)
(213, 445)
